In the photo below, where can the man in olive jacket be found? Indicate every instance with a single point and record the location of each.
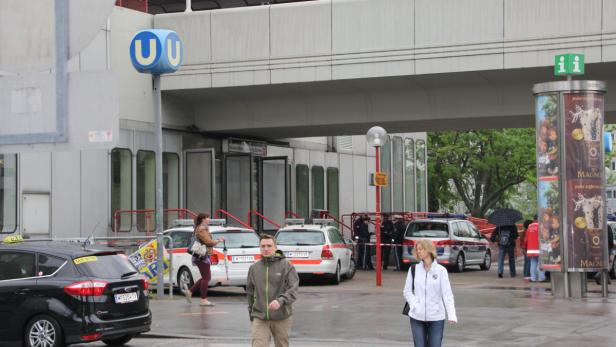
(271, 289)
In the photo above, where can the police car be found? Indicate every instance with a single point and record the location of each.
(458, 243)
(316, 248)
(231, 258)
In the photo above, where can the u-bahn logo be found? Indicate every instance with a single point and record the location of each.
(156, 51)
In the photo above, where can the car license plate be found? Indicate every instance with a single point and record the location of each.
(296, 254)
(243, 258)
(126, 298)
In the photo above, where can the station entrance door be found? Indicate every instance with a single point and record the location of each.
(260, 184)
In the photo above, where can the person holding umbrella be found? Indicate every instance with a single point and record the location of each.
(505, 235)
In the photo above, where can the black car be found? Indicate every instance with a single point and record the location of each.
(56, 293)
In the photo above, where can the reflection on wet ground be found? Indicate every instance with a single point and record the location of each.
(491, 311)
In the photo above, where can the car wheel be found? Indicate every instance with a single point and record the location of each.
(613, 271)
(185, 279)
(487, 262)
(460, 263)
(120, 341)
(336, 278)
(351, 272)
(43, 331)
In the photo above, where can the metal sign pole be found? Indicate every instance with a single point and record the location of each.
(158, 130)
(379, 267)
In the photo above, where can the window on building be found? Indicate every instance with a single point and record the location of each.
(171, 180)
(421, 165)
(8, 193)
(146, 190)
(302, 189)
(386, 167)
(397, 175)
(318, 188)
(121, 187)
(333, 191)
(409, 175)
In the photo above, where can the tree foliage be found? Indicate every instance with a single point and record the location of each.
(480, 168)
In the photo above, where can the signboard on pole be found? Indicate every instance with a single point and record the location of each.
(569, 64)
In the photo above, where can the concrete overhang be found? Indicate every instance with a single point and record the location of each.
(451, 101)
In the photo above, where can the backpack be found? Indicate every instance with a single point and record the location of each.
(503, 237)
(407, 308)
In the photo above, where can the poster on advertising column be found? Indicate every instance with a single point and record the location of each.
(548, 178)
(549, 223)
(585, 198)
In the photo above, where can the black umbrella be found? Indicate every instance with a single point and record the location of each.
(504, 216)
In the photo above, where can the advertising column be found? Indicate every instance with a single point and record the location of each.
(586, 219)
(570, 181)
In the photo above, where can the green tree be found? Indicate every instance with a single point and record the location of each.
(480, 168)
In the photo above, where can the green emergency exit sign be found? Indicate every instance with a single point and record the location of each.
(569, 64)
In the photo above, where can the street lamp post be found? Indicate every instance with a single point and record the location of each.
(377, 137)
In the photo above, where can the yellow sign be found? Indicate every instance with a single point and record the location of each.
(85, 260)
(380, 179)
(13, 239)
(144, 260)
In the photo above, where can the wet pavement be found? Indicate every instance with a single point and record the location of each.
(491, 312)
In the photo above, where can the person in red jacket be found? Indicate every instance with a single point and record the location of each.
(531, 243)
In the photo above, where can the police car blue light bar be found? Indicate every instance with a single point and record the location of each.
(294, 221)
(323, 221)
(183, 222)
(218, 222)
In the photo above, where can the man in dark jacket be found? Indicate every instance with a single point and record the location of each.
(271, 289)
(362, 235)
(387, 238)
(505, 236)
(400, 229)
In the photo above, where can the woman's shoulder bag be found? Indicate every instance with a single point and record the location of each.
(406, 309)
(196, 247)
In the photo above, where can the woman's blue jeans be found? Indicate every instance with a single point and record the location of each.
(535, 273)
(427, 334)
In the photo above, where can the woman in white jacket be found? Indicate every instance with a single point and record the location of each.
(432, 300)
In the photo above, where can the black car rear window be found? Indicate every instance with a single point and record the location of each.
(300, 237)
(237, 239)
(14, 265)
(104, 266)
(427, 229)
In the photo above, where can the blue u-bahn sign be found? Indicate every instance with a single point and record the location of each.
(156, 51)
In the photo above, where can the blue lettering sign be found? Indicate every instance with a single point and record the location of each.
(156, 51)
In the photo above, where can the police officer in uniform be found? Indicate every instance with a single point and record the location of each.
(362, 235)
(400, 229)
(388, 238)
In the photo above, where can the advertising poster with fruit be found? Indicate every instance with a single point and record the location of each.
(584, 174)
(549, 223)
(548, 153)
(548, 177)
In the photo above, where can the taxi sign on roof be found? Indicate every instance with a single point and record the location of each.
(13, 239)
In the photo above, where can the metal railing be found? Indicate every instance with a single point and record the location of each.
(259, 215)
(220, 212)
